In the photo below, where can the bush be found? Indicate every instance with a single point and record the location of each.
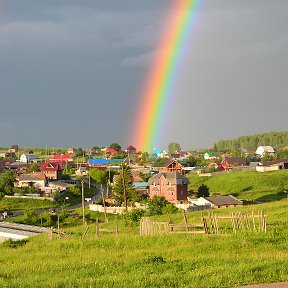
(63, 215)
(155, 259)
(133, 217)
(30, 217)
(14, 243)
(156, 205)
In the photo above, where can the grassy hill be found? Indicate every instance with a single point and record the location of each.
(246, 184)
(225, 260)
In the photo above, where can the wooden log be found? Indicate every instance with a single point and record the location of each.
(188, 225)
(189, 232)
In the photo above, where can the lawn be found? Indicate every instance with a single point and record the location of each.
(129, 260)
(244, 184)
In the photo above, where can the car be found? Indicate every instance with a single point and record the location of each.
(6, 214)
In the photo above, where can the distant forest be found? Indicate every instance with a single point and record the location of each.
(278, 140)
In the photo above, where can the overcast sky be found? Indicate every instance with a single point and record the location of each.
(72, 71)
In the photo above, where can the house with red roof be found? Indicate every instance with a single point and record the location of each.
(173, 166)
(61, 158)
(52, 170)
(111, 152)
(230, 162)
(131, 150)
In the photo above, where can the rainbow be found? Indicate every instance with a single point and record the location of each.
(163, 74)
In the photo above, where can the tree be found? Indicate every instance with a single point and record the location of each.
(174, 147)
(115, 146)
(34, 167)
(123, 190)
(156, 205)
(191, 161)
(203, 191)
(67, 168)
(78, 153)
(160, 162)
(145, 176)
(99, 176)
(75, 189)
(7, 180)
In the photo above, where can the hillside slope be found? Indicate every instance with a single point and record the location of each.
(221, 260)
(242, 182)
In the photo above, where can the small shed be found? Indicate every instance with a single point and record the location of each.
(219, 201)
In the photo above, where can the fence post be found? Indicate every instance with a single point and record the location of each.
(185, 219)
(50, 234)
(204, 223)
(117, 230)
(96, 228)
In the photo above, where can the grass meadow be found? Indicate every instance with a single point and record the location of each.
(244, 183)
(131, 260)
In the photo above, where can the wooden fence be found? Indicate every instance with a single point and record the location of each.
(211, 224)
(236, 222)
(150, 227)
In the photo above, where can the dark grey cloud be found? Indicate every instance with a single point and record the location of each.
(72, 71)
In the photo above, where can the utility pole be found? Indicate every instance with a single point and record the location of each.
(124, 188)
(83, 204)
(104, 205)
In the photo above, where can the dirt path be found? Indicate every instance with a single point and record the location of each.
(271, 285)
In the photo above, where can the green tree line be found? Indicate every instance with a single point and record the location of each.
(250, 143)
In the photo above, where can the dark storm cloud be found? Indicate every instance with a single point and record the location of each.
(72, 71)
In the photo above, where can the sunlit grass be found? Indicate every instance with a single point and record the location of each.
(223, 260)
(244, 183)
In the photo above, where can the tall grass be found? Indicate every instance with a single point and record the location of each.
(226, 260)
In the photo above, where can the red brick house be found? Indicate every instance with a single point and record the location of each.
(171, 185)
(52, 170)
(230, 162)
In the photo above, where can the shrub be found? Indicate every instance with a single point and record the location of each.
(155, 259)
(14, 243)
(156, 205)
(133, 217)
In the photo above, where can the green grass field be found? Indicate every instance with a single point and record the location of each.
(222, 260)
(247, 185)
(22, 204)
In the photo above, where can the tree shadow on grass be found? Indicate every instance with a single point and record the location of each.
(246, 189)
(272, 197)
